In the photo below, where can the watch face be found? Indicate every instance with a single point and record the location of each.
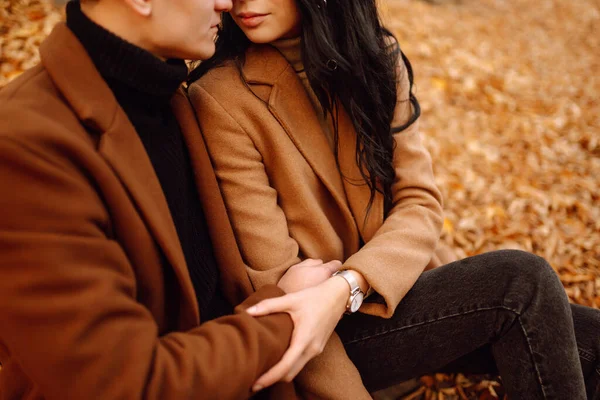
(356, 302)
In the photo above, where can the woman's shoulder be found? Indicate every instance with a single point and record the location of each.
(223, 88)
(244, 87)
(225, 77)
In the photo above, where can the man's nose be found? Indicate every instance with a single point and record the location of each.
(223, 5)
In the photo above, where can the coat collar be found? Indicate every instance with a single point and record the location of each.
(96, 107)
(263, 65)
(288, 102)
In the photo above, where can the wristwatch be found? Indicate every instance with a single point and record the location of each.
(356, 295)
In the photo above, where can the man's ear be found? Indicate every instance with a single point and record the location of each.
(142, 7)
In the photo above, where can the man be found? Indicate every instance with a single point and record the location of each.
(106, 220)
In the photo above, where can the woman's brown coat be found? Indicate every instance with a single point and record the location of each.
(288, 200)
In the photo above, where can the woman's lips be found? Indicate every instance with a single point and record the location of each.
(252, 20)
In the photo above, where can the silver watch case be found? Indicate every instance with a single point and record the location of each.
(356, 295)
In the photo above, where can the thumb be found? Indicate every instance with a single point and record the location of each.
(271, 306)
(310, 262)
(333, 266)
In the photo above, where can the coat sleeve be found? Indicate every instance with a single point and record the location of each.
(400, 250)
(265, 243)
(68, 311)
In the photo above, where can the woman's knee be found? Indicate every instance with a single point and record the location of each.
(527, 273)
(524, 266)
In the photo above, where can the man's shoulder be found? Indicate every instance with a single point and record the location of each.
(33, 109)
(31, 86)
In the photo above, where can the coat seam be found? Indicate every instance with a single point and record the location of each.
(27, 82)
(537, 370)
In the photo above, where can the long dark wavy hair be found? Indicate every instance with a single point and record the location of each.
(349, 62)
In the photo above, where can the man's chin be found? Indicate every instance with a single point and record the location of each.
(198, 54)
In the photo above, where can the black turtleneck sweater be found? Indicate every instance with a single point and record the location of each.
(144, 85)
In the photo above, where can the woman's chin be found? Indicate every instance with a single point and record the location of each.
(258, 37)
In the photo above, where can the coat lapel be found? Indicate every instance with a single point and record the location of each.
(234, 278)
(122, 149)
(93, 102)
(289, 102)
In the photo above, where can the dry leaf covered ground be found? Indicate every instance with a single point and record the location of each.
(510, 91)
(23, 26)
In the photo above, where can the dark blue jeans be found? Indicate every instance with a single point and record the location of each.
(502, 312)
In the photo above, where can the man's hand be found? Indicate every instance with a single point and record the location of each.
(315, 312)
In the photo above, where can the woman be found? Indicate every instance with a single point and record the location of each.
(310, 122)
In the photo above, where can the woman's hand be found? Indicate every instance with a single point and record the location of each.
(306, 274)
(315, 311)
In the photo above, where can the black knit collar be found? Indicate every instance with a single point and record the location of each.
(121, 61)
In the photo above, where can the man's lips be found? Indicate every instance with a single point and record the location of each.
(215, 25)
